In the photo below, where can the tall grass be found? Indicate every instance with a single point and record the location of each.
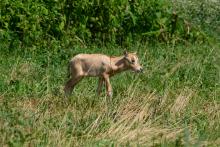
(175, 102)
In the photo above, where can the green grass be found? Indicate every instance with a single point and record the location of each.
(175, 102)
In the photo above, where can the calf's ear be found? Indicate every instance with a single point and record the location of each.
(125, 53)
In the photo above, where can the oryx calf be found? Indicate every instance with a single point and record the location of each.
(102, 66)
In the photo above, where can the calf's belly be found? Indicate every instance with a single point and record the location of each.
(93, 72)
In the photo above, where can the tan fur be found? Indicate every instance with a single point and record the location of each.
(102, 66)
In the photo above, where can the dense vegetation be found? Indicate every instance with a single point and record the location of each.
(28, 23)
(175, 102)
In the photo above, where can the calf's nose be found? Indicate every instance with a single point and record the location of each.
(141, 69)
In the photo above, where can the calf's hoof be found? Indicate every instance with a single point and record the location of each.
(110, 93)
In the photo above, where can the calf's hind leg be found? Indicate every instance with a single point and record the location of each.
(70, 85)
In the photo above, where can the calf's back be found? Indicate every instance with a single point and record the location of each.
(90, 64)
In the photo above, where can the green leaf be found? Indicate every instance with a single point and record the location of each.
(61, 26)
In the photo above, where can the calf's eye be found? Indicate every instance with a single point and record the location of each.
(132, 61)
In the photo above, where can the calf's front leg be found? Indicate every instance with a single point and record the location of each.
(108, 85)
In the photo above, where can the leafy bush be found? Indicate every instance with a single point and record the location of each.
(37, 22)
(203, 13)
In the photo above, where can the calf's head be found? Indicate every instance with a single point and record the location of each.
(132, 61)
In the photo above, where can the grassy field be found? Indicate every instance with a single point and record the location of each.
(175, 102)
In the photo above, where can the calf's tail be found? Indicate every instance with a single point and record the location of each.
(68, 70)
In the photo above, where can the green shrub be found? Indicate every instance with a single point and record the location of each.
(28, 23)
